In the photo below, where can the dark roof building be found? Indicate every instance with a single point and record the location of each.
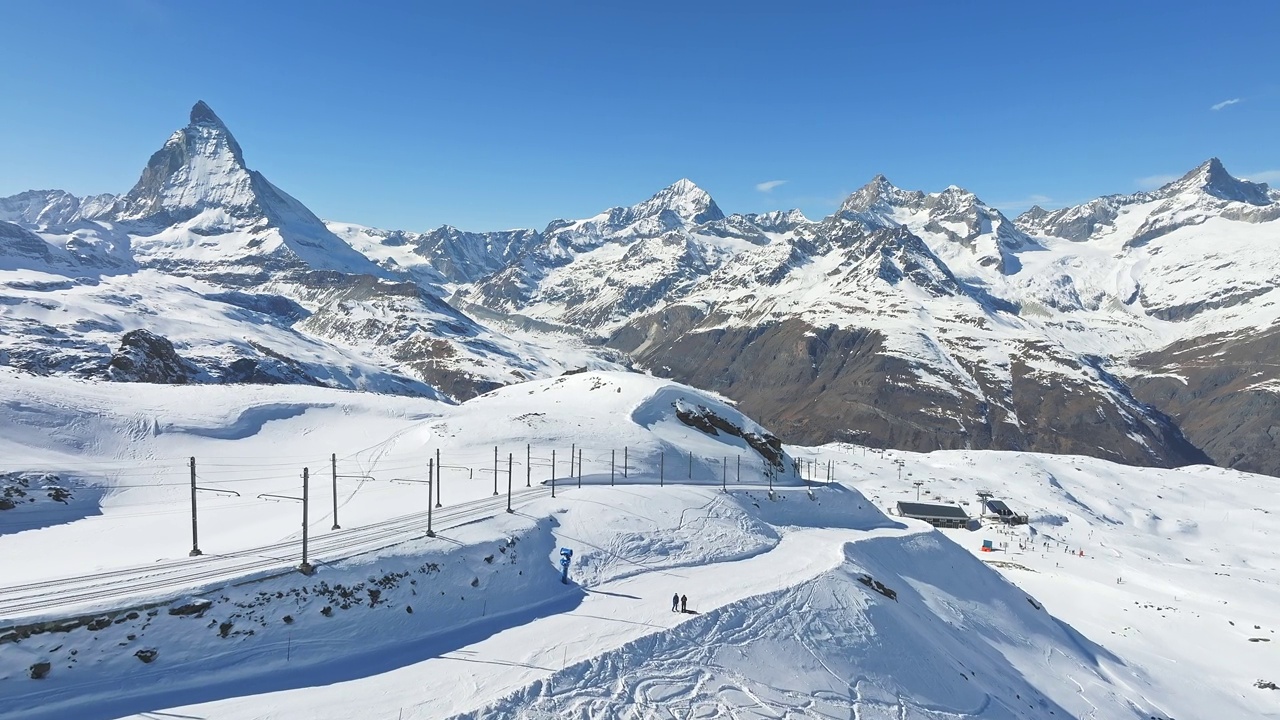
(1006, 513)
(934, 514)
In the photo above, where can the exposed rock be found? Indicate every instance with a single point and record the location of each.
(40, 670)
(767, 445)
(1222, 395)
(149, 358)
(194, 607)
(878, 587)
(832, 384)
(147, 655)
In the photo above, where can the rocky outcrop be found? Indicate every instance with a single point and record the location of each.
(149, 358)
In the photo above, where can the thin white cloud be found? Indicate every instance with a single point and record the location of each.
(1151, 182)
(1218, 106)
(768, 186)
(1265, 176)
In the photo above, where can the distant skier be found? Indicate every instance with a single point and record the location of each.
(684, 603)
(675, 602)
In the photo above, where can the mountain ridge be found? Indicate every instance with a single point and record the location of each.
(963, 328)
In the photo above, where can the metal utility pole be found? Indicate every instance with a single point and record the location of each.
(739, 479)
(195, 544)
(439, 476)
(690, 464)
(573, 452)
(626, 460)
(431, 486)
(613, 455)
(768, 472)
(333, 462)
(662, 468)
(508, 483)
(724, 474)
(305, 568)
(579, 468)
(528, 465)
(553, 472)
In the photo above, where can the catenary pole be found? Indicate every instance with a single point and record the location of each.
(509, 483)
(431, 486)
(613, 456)
(439, 477)
(528, 465)
(333, 462)
(195, 543)
(305, 567)
(579, 468)
(495, 470)
(553, 472)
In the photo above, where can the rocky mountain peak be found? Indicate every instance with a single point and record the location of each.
(687, 201)
(199, 167)
(1211, 178)
(880, 194)
(202, 114)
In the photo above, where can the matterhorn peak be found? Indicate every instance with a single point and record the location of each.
(201, 166)
(202, 114)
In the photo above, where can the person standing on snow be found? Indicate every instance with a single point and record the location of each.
(684, 603)
(675, 602)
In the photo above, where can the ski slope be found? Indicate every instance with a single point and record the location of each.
(809, 602)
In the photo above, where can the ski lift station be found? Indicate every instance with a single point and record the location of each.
(946, 516)
(1006, 513)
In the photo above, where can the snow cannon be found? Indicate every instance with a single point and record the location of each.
(566, 557)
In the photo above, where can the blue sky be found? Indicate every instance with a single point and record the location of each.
(490, 115)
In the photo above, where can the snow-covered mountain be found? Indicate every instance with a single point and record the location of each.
(206, 272)
(905, 319)
(924, 320)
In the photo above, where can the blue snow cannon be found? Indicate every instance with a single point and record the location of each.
(566, 557)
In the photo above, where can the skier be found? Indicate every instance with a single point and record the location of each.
(684, 603)
(675, 602)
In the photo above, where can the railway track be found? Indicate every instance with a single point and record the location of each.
(85, 593)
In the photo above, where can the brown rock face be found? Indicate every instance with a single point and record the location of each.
(1225, 394)
(816, 385)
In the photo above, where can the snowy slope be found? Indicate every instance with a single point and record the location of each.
(812, 604)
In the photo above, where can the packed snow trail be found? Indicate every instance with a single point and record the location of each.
(609, 615)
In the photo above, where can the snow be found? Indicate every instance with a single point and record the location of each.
(1132, 593)
(788, 622)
